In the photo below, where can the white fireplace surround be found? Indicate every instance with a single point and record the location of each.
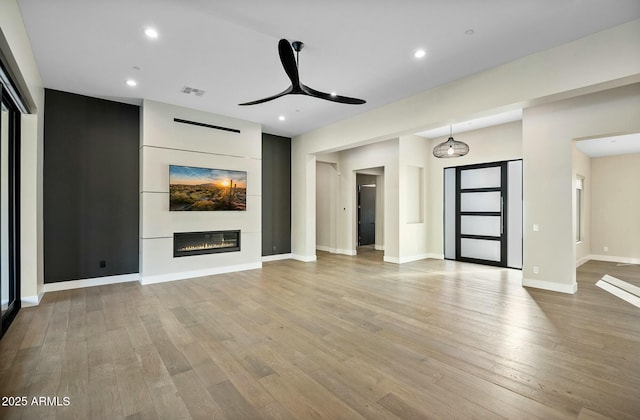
(165, 142)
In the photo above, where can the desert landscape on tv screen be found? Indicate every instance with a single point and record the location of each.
(202, 189)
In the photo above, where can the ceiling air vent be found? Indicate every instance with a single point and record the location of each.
(188, 90)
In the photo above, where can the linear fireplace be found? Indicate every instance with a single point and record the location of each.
(199, 243)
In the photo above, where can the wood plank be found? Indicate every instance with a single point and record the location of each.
(343, 337)
(198, 401)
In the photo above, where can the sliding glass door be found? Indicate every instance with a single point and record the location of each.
(9, 205)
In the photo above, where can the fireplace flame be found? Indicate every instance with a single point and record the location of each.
(207, 245)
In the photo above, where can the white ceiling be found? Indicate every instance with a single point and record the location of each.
(359, 48)
(609, 146)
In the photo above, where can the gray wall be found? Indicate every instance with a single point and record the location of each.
(91, 172)
(276, 194)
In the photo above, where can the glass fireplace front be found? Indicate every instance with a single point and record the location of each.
(199, 243)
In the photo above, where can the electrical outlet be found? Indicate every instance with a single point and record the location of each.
(536, 269)
(536, 227)
(103, 263)
(606, 249)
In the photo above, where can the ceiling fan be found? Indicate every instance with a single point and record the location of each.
(290, 64)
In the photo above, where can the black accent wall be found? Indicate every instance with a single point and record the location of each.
(276, 194)
(91, 187)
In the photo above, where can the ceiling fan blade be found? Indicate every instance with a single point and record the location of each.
(288, 61)
(269, 98)
(290, 65)
(334, 98)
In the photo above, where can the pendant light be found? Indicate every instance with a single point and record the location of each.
(451, 148)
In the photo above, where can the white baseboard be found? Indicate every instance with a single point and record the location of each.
(435, 256)
(97, 281)
(613, 258)
(403, 260)
(304, 258)
(350, 252)
(26, 301)
(336, 250)
(379, 247)
(184, 275)
(413, 258)
(276, 257)
(551, 285)
(324, 248)
(582, 260)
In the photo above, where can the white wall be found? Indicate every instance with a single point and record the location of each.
(615, 204)
(576, 68)
(165, 142)
(383, 154)
(582, 169)
(548, 133)
(326, 196)
(31, 159)
(414, 157)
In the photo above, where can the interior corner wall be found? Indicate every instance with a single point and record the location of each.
(18, 47)
(413, 179)
(615, 204)
(90, 187)
(491, 144)
(326, 195)
(548, 132)
(582, 169)
(165, 142)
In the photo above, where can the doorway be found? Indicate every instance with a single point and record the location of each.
(483, 213)
(366, 214)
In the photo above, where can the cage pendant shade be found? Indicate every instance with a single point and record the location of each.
(450, 148)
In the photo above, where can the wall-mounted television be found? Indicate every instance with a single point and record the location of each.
(202, 189)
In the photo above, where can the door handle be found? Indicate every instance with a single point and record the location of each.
(501, 215)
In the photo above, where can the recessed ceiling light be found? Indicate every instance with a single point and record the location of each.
(131, 82)
(469, 32)
(151, 33)
(281, 118)
(333, 94)
(419, 53)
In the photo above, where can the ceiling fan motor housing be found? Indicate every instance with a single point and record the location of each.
(297, 45)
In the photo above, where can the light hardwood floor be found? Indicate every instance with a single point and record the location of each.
(345, 337)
